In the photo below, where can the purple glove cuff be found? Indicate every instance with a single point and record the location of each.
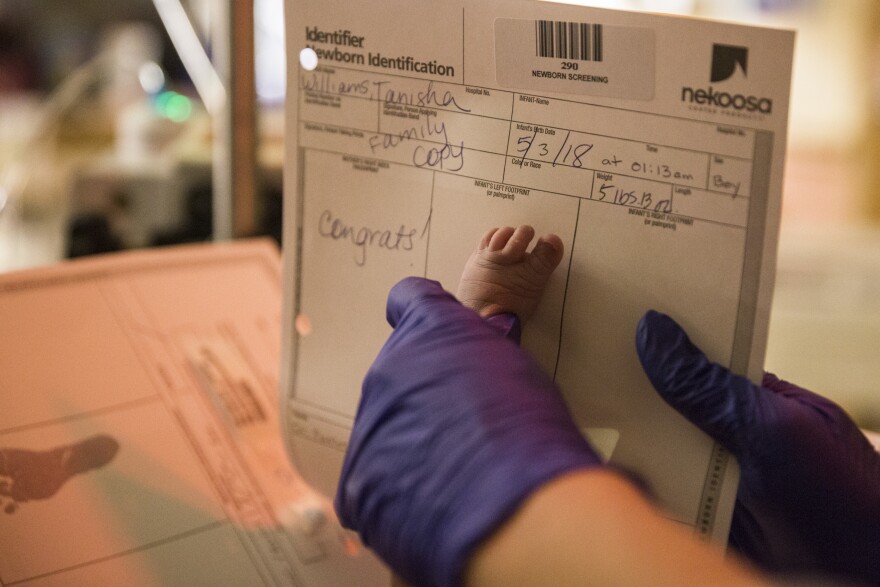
(507, 324)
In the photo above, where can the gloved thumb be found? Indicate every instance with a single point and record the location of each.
(728, 407)
(410, 292)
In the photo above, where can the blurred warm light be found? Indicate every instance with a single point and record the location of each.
(151, 77)
(308, 59)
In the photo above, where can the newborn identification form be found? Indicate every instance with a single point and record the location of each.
(652, 145)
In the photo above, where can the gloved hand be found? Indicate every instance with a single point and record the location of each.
(809, 495)
(456, 427)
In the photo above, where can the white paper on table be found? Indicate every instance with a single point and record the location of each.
(653, 145)
(139, 433)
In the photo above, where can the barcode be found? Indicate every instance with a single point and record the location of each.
(578, 41)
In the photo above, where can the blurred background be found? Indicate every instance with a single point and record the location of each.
(108, 115)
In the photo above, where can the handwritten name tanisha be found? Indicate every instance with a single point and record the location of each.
(364, 236)
(427, 97)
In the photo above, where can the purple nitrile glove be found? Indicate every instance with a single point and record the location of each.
(809, 495)
(456, 427)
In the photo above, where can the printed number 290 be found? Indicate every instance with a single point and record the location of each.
(569, 65)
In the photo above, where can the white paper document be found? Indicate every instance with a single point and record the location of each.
(139, 435)
(652, 145)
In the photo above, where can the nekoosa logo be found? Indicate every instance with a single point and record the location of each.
(726, 61)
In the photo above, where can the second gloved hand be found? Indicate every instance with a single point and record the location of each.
(456, 427)
(809, 496)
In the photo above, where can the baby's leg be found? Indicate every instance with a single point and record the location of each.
(500, 276)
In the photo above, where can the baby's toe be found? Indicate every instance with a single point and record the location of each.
(519, 241)
(547, 254)
(487, 238)
(500, 238)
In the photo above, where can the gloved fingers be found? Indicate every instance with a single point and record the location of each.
(728, 407)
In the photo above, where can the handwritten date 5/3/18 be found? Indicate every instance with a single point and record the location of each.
(568, 153)
(403, 239)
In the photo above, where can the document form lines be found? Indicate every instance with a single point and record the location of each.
(428, 223)
(557, 97)
(567, 195)
(565, 292)
(122, 554)
(84, 415)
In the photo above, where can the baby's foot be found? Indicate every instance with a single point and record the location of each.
(500, 276)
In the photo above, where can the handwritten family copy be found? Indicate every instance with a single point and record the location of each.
(652, 145)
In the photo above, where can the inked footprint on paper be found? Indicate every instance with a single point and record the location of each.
(27, 475)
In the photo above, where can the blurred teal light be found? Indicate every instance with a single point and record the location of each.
(174, 106)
